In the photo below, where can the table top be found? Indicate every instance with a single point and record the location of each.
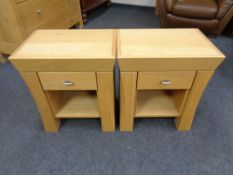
(85, 43)
(166, 49)
(165, 43)
(67, 50)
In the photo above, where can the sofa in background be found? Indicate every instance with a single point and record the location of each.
(211, 16)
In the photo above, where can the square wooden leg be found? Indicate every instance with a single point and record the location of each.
(51, 124)
(105, 95)
(184, 123)
(128, 92)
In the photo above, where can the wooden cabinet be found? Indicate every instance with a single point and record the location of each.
(87, 5)
(19, 18)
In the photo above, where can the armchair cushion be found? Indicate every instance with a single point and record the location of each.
(203, 9)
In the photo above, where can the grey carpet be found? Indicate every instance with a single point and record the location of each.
(155, 147)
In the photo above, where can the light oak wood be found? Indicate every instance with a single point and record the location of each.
(178, 55)
(2, 59)
(106, 100)
(19, 18)
(155, 103)
(83, 59)
(56, 80)
(64, 65)
(166, 49)
(11, 27)
(128, 83)
(179, 98)
(73, 104)
(153, 80)
(67, 50)
(184, 123)
(55, 100)
(78, 104)
(51, 124)
(42, 14)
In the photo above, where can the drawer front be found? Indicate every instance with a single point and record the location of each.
(165, 80)
(68, 80)
(47, 14)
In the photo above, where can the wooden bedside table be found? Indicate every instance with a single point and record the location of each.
(70, 74)
(163, 73)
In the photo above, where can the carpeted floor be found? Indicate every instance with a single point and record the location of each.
(155, 147)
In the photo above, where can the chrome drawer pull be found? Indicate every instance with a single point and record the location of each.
(166, 82)
(68, 83)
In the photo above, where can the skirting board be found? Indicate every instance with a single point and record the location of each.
(148, 3)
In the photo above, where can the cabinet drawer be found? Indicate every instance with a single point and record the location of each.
(165, 80)
(44, 14)
(68, 80)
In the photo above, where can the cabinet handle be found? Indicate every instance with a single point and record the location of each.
(68, 83)
(38, 12)
(166, 82)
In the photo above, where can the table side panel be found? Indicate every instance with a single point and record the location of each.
(64, 65)
(170, 64)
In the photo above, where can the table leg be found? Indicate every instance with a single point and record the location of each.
(51, 124)
(106, 99)
(184, 123)
(128, 91)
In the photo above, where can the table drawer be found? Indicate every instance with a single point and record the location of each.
(68, 80)
(46, 14)
(165, 80)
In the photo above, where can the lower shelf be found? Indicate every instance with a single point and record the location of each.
(160, 103)
(74, 104)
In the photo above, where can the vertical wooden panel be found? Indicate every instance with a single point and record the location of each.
(105, 93)
(51, 124)
(180, 97)
(10, 24)
(2, 58)
(184, 123)
(128, 81)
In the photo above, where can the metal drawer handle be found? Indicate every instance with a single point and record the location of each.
(166, 82)
(68, 83)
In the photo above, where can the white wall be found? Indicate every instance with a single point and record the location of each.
(150, 3)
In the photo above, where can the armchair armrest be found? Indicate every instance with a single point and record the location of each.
(169, 4)
(162, 12)
(224, 6)
(164, 7)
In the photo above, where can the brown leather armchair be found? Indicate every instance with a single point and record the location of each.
(211, 16)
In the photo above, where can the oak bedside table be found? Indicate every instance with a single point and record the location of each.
(163, 73)
(70, 74)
